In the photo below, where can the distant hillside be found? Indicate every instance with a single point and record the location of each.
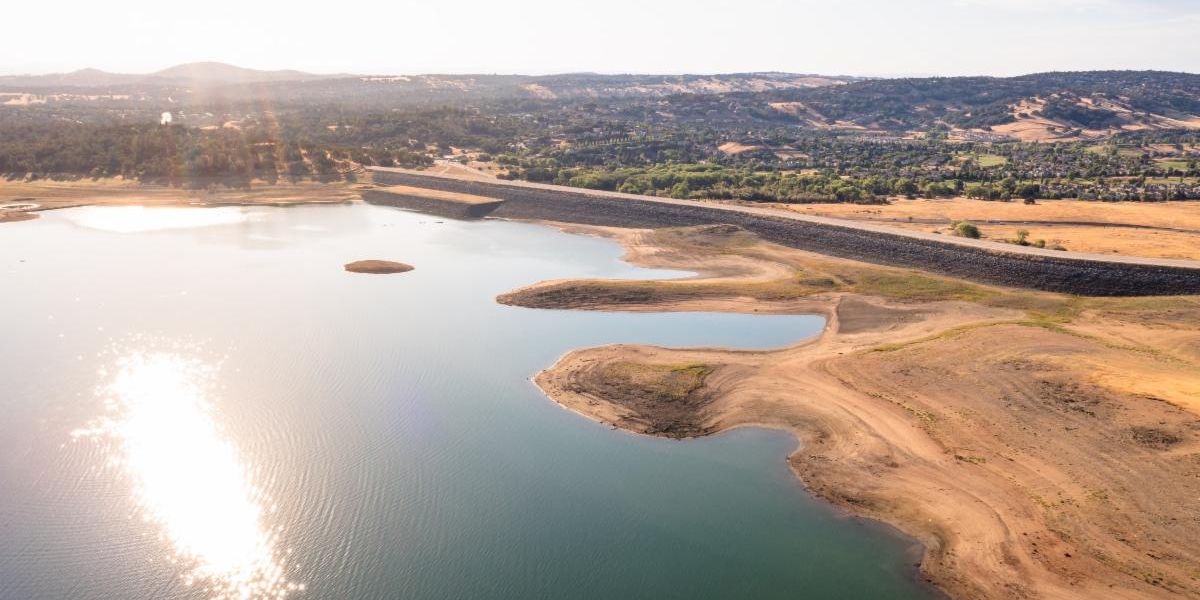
(207, 73)
(215, 72)
(80, 78)
(1040, 107)
(588, 85)
(299, 86)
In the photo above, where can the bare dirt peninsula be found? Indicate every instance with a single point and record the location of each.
(1039, 445)
(377, 267)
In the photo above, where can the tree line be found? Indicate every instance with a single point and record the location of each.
(179, 155)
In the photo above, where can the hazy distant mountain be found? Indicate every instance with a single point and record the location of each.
(201, 73)
(221, 73)
(80, 78)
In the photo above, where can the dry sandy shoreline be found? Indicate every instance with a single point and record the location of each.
(51, 195)
(1038, 446)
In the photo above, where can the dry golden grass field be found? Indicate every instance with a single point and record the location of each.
(1152, 229)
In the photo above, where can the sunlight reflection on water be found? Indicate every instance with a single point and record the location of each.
(136, 219)
(188, 478)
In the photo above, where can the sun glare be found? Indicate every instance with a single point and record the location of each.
(189, 479)
(136, 219)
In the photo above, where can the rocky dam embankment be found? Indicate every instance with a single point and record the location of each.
(439, 202)
(985, 262)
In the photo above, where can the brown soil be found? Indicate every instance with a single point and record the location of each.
(1039, 446)
(377, 267)
(735, 148)
(476, 170)
(12, 216)
(1028, 126)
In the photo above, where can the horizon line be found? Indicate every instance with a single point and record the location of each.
(615, 73)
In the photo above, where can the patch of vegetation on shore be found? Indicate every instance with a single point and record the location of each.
(667, 383)
(912, 286)
(600, 293)
(900, 285)
(1162, 312)
(666, 399)
(712, 239)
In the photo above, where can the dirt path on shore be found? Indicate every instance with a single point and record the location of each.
(1038, 445)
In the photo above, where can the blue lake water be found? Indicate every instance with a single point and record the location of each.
(201, 403)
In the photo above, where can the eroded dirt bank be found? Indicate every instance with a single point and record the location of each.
(1039, 445)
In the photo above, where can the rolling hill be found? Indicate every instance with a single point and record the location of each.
(206, 73)
(1039, 107)
(432, 87)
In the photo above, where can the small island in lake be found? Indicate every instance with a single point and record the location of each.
(378, 267)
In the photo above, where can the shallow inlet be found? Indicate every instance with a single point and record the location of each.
(384, 430)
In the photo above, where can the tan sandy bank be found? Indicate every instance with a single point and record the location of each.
(377, 267)
(12, 216)
(1038, 445)
(49, 195)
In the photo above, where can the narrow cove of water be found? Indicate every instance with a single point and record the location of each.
(219, 411)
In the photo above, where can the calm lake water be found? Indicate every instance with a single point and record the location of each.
(200, 403)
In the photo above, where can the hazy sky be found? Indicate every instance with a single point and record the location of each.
(858, 37)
